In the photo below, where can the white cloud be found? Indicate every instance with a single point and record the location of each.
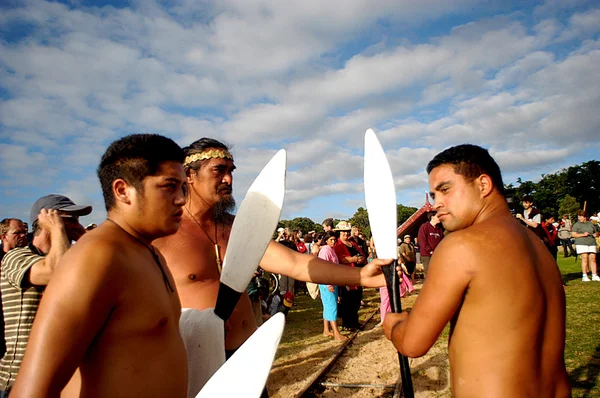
(307, 76)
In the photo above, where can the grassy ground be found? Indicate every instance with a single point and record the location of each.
(582, 351)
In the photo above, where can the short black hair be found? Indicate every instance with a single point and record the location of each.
(199, 146)
(133, 158)
(469, 161)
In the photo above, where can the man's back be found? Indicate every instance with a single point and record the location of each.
(508, 334)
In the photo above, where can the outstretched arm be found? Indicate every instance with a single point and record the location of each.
(76, 304)
(414, 333)
(281, 260)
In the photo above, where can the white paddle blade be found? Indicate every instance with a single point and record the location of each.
(380, 197)
(245, 373)
(254, 224)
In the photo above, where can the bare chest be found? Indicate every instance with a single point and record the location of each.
(193, 255)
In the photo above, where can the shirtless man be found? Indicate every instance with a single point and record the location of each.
(497, 284)
(191, 253)
(112, 308)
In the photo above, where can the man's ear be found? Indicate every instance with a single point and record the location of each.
(122, 191)
(486, 185)
(189, 174)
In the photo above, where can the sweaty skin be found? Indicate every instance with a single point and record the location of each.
(500, 288)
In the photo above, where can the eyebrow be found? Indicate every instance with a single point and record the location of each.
(172, 179)
(440, 185)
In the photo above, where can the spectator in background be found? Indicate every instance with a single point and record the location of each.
(287, 283)
(584, 232)
(328, 225)
(431, 234)
(329, 293)
(316, 246)
(350, 254)
(300, 246)
(13, 233)
(564, 234)
(27, 270)
(408, 257)
(550, 235)
(595, 217)
(417, 250)
(355, 237)
(308, 242)
(531, 217)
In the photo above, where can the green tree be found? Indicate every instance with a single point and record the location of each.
(403, 213)
(303, 224)
(360, 219)
(568, 205)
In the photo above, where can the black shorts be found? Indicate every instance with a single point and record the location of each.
(410, 266)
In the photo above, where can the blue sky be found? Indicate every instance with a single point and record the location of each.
(519, 78)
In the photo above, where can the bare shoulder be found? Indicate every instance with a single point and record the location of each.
(96, 254)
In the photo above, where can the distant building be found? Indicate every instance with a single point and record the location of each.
(412, 224)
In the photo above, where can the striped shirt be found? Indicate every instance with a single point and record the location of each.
(20, 302)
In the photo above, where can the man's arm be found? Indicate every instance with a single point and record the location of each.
(75, 306)
(41, 272)
(281, 260)
(449, 274)
(533, 223)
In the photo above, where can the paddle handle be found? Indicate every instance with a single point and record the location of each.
(393, 285)
(227, 299)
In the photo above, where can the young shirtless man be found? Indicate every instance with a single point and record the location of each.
(191, 253)
(111, 308)
(497, 284)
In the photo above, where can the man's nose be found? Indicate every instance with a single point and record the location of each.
(227, 179)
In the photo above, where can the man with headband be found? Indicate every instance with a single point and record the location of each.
(196, 252)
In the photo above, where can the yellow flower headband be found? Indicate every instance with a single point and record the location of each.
(209, 154)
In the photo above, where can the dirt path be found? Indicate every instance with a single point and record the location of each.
(370, 359)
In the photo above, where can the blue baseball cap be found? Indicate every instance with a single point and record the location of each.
(57, 202)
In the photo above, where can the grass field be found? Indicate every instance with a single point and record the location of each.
(582, 352)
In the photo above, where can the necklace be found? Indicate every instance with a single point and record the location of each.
(214, 242)
(154, 255)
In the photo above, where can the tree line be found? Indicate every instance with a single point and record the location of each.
(564, 192)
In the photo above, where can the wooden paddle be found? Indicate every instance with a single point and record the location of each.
(252, 229)
(245, 373)
(380, 198)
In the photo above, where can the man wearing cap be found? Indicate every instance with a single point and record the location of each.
(407, 255)
(27, 270)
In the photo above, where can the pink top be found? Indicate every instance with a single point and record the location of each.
(328, 254)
